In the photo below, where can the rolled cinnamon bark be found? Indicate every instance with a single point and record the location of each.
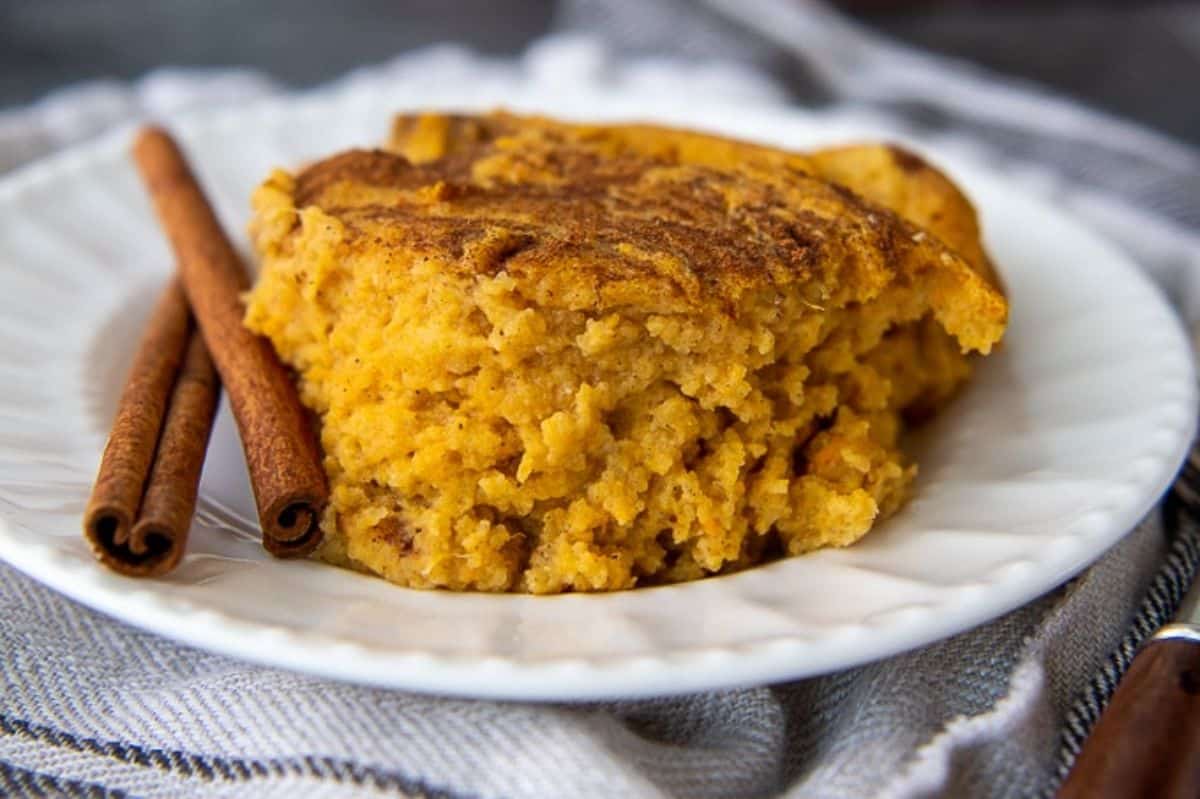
(167, 507)
(117, 494)
(289, 484)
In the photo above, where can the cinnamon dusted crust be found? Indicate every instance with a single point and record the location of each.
(553, 357)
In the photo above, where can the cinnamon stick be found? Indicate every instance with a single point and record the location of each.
(289, 484)
(165, 517)
(128, 455)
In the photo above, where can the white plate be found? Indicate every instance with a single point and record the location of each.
(1065, 439)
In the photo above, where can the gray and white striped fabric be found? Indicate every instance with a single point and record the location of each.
(90, 707)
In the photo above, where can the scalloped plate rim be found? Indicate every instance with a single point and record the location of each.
(775, 658)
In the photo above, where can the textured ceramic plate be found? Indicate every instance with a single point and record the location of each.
(1065, 439)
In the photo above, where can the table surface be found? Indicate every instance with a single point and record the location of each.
(1131, 58)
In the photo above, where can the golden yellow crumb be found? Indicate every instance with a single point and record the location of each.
(550, 357)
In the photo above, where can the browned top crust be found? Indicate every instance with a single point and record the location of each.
(586, 216)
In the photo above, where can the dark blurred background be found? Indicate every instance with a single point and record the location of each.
(1139, 59)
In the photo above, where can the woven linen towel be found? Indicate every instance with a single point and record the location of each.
(90, 707)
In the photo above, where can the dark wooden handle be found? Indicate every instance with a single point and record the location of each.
(1147, 742)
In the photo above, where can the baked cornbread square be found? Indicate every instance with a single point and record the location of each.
(549, 357)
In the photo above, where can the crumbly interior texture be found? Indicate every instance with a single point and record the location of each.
(549, 357)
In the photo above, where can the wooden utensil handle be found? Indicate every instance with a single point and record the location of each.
(1147, 742)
